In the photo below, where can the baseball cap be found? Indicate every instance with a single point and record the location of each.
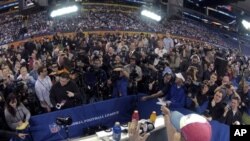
(179, 75)
(189, 124)
(167, 70)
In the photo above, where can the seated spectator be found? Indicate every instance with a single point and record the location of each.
(15, 112)
(232, 114)
(65, 93)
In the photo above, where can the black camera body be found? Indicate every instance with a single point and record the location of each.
(64, 121)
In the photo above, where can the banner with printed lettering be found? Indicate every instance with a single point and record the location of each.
(106, 113)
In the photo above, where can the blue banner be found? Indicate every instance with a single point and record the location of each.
(44, 127)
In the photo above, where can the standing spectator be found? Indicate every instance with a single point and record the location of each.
(168, 42)
(65, 93)
(15, 112)
(232, 115)
(42, 88)
(213, 109)
(119, 79)
(34, 72)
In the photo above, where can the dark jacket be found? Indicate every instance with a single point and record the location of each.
(58, 94)
(230, 118)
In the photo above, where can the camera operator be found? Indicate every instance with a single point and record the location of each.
(119, 79)
(42, 88)
(167, 82)
(65, 93)
(135, 74)
(95, 79)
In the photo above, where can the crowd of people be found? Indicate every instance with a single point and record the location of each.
(56, 73)
(110, 17)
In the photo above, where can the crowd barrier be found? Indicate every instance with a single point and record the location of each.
(105, 113)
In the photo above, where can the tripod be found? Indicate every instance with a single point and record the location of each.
(66, 129)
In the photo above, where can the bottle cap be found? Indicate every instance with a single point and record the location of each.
(135, 111)
(117, 123)
(154, 112)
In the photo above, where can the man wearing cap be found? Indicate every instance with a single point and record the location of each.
(176, 96)
(186, 127)
(167, 80)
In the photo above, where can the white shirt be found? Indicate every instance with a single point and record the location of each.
(42, 88)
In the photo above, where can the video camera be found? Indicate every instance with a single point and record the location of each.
(64, 121)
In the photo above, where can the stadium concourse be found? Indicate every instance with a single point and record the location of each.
(85, 61)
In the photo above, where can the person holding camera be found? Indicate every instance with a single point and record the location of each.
(119, 79)
(95, 79)
(65, 93)
(232, 114)
(167, 82)
(135, 74)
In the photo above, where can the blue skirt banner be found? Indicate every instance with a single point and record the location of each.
(105, 113)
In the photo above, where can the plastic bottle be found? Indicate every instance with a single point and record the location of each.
(117, 131)
(153, 117)
(135, 116)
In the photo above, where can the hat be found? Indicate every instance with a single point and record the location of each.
(166, 71)
(189, 124)
(179, 75)
(132, 57)
(195, 56)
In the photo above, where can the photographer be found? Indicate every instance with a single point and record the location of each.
(135, 74)
(95, 79)
(119, 79)
(167, 82)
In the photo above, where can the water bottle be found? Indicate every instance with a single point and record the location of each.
(117, 131)
(135, 116)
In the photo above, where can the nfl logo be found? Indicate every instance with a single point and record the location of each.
(54, 128)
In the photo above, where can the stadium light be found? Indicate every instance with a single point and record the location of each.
(151, 15)
(246, 24)
(64, 11)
